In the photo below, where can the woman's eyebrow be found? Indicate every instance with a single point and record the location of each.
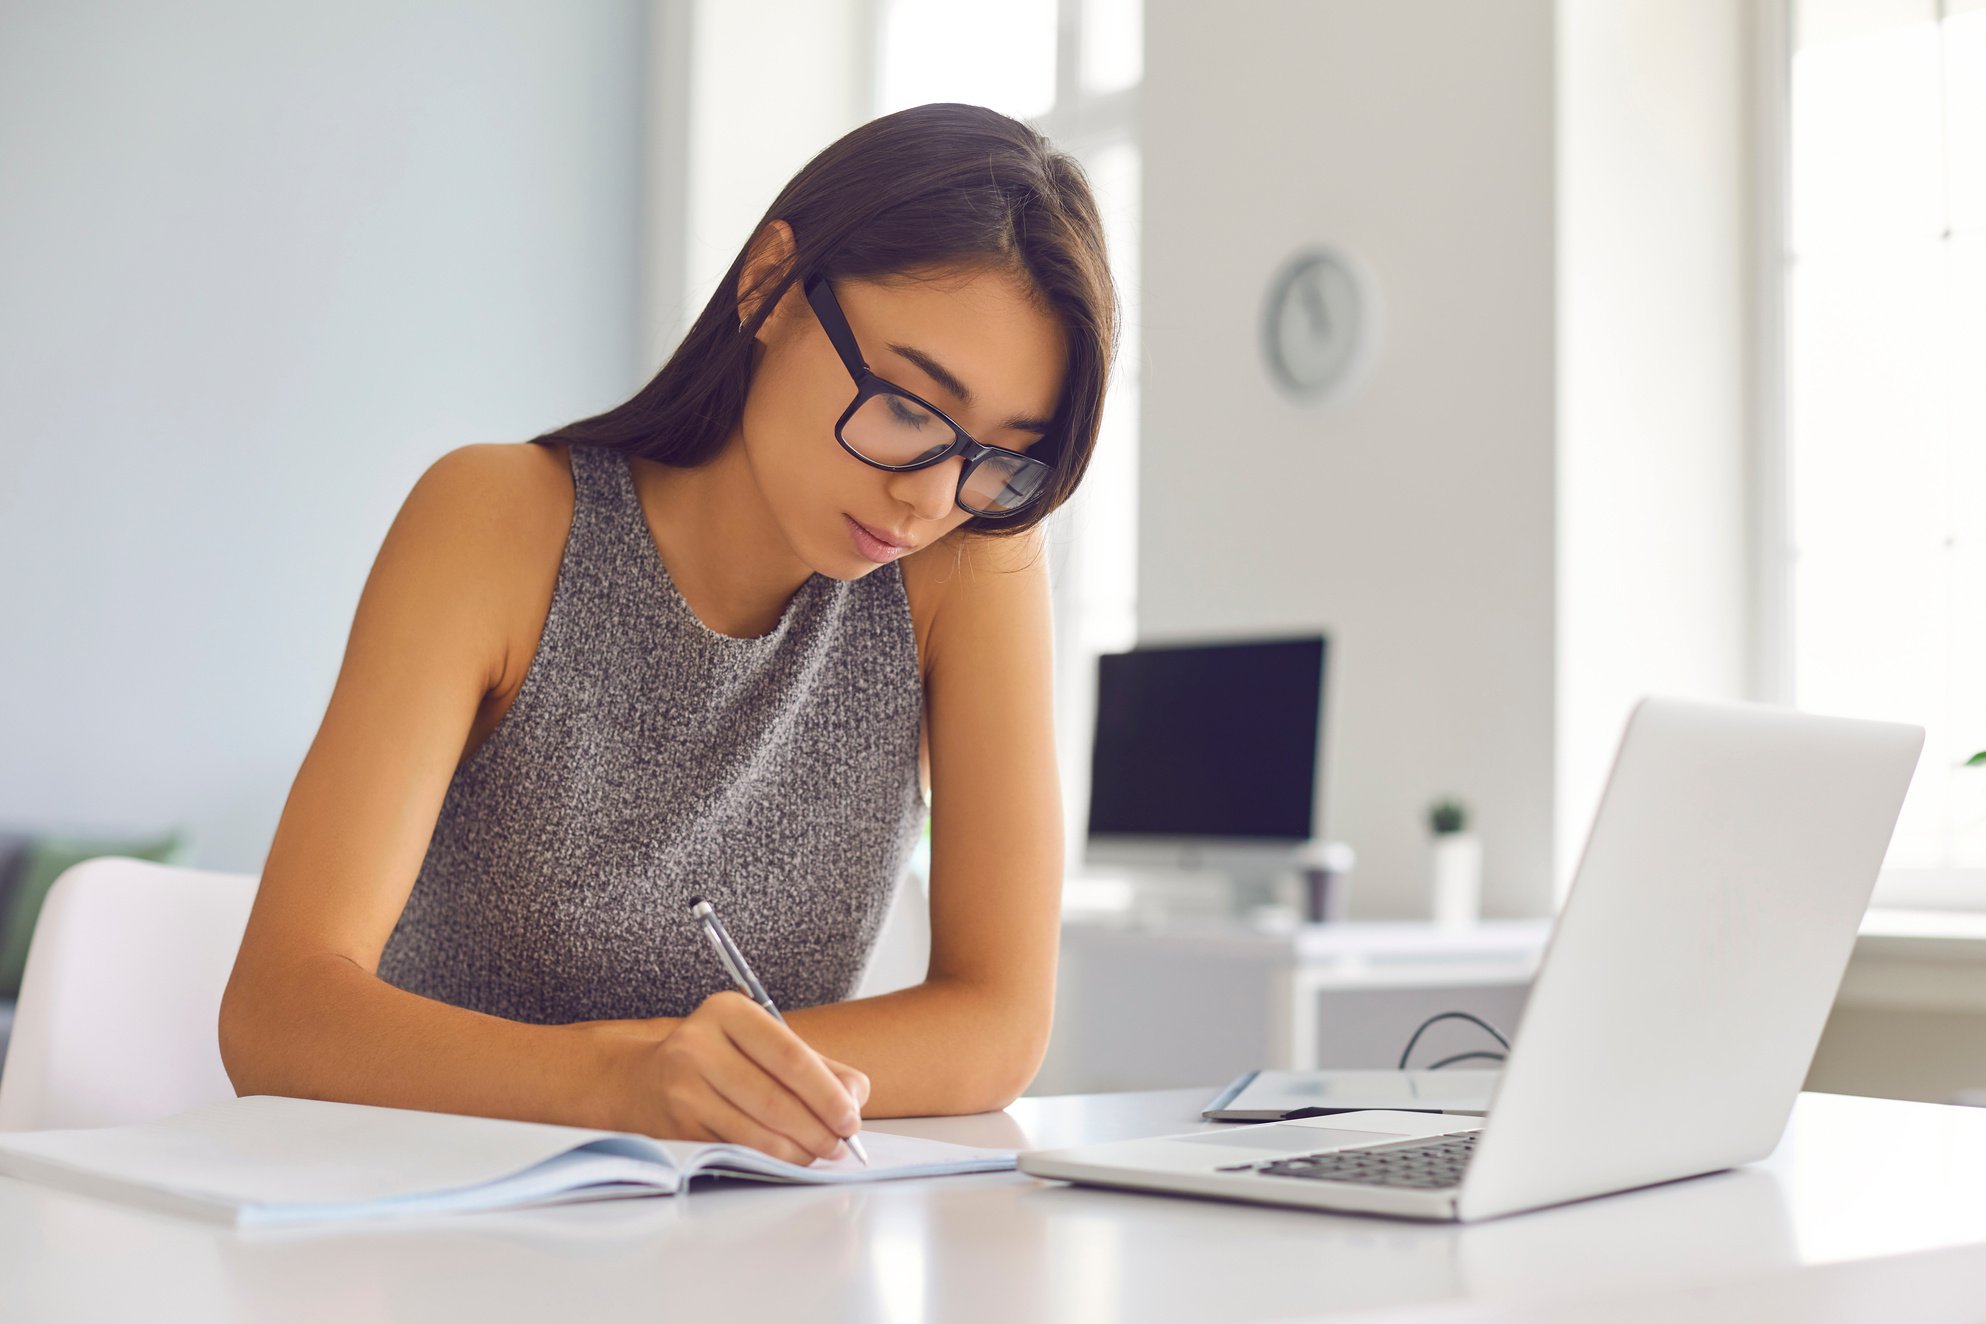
(943, 376)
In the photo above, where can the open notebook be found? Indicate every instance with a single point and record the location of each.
(267, 1160)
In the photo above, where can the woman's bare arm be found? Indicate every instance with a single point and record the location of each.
(304, 1013)
(972, 1035)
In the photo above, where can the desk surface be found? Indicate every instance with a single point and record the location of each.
(1868, 1209)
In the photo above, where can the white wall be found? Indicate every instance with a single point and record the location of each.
(262, 264)
(1412, 520)
(1532, 510)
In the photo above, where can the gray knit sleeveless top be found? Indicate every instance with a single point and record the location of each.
(646, 760)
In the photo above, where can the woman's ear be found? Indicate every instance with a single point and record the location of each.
(766, 262)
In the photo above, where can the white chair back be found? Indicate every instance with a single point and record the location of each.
(119, 1012)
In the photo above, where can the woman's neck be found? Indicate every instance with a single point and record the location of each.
(721, 545)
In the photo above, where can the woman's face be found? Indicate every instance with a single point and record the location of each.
(980, 327)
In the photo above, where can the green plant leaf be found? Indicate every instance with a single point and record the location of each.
(1977, 759)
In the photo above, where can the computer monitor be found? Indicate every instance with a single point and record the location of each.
(1208, 755)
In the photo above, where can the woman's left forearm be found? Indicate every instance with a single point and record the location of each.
(938, 1048)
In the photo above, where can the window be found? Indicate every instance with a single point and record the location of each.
(1880, 569)
(1072, 69)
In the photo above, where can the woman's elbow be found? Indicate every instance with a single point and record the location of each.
(237, 1041)
(1006, 1074)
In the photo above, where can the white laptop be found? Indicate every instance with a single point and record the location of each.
(1676, 1011)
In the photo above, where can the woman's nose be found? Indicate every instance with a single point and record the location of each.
(929, 492)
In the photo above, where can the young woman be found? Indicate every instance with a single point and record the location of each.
(724, 640)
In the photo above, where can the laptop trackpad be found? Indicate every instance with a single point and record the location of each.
(1280, 1139)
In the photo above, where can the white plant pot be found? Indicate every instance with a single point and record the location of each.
(1457, 869)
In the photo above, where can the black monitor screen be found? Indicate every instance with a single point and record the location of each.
(1208, 741)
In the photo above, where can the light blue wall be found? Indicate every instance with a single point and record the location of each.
(259, 264)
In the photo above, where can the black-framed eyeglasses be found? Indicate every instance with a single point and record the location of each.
(891, 428)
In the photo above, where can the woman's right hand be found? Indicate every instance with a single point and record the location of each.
(731, 1071)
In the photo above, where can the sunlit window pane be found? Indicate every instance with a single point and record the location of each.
(1965, 373)
(1867, 353)
(1822, 22)
(1968, 707)
(1001, 56)
(1870, 634)
(1867, 149)
(1965, 118)
(1968, 504)
(1113, 44)
(1886, 407)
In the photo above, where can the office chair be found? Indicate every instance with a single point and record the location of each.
(119, 1013)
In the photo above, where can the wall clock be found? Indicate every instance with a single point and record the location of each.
(1317, 324)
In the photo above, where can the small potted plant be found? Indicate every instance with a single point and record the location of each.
(1456, 866)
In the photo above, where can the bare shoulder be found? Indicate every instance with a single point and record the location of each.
(490, 513)
(1023, 554)
(926, 574)
(484, 490)
(480, 538)
(966, 583)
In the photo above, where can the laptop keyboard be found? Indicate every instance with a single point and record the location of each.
(1429, 1165)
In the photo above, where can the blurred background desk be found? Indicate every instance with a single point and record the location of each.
(1146, 1003)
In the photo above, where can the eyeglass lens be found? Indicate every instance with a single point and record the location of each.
(896, 430)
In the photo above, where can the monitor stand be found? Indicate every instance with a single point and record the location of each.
(1200, 880)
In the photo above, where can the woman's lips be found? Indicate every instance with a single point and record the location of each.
(869, 545)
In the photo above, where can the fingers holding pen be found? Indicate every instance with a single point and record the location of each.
(855, 1082)
(704, 1081)
(726, 1121)
(802, 1075)
(827, 1098)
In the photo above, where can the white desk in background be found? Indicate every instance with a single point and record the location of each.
(1144, 1004)
(1150, 1002)
(1869, 1209)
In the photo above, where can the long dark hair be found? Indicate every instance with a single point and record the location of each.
(944, 186)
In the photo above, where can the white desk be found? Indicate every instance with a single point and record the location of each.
(1870, 1209)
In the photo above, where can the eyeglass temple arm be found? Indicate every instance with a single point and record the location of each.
(836, 326)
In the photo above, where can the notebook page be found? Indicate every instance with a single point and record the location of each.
(565, 1179)
(891, 1156)
(273, 1150)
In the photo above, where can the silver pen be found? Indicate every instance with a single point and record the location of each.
(747, 982)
